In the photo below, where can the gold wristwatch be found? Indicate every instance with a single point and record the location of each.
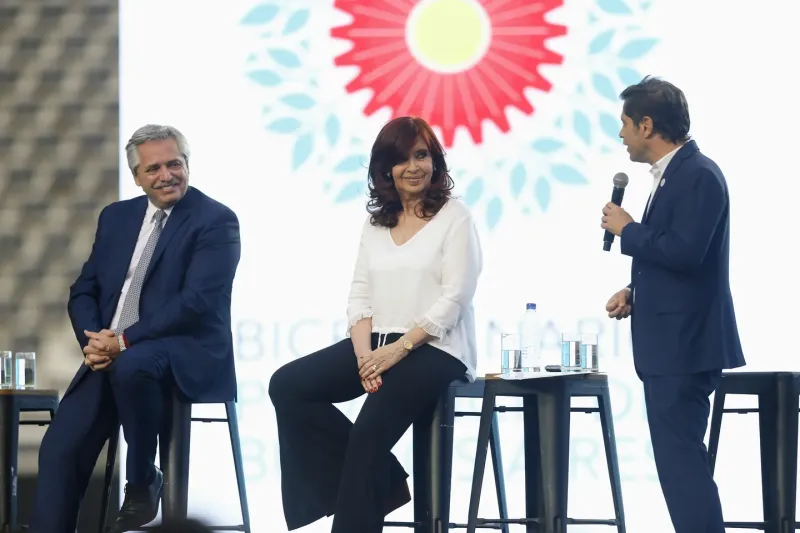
(407, 344)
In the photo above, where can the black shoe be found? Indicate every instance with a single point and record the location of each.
(140, 506)
(399, 496)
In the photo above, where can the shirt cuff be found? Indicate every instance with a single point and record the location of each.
(123, 342)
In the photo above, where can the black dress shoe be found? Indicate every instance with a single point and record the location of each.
(399, 496)
(140, 506)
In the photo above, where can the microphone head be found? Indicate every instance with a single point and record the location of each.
(620, 180)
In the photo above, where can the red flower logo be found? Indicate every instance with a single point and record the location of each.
(453, 62)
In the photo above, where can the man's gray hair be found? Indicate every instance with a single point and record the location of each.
(154, 132)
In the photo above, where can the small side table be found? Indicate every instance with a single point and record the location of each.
(12, 403)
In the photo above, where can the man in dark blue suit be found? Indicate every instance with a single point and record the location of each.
(682, 320)
(151, 310)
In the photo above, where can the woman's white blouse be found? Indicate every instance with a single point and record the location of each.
(428, 282)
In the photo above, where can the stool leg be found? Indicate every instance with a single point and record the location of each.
(497, 464)
(610, 444)
(716, 426)
(534, 499)
(108, 479)
(174, 453)
(788, 405)
(554, 422)
(236, 447)
(484, 430)
(9, 422)
(422, 473)
(768, 439)
(442, 461)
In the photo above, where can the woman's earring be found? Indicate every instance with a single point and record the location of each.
(388, 176)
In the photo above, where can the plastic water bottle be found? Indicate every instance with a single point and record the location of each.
(530, 340)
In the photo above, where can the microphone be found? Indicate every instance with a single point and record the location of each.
(620, 182)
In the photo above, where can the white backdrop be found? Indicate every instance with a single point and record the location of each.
(276, 135)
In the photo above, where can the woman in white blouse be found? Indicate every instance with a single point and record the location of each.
(412, 332)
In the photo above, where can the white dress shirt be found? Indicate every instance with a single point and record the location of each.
(428, 282)
(144, 234)
(657, 170)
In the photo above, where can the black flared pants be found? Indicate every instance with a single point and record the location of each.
(331, 466)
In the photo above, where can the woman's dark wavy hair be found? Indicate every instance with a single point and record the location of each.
(392, 146)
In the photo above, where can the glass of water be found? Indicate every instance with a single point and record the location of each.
(589, 352)
(510, 354)
(570, 352)
(25, 370)
(6, 370)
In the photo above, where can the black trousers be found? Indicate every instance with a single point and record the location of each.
(331, 466)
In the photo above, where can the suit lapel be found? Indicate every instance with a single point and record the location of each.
(127, 235)
(684, 153)
(179, 214)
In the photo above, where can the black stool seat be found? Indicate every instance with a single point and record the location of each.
(433, 461)
(778, 405)
(174, 448)
(12, 403)
(546, 413)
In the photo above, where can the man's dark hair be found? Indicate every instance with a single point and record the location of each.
(664, 103)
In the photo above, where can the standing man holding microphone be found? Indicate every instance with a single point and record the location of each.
(683, 324)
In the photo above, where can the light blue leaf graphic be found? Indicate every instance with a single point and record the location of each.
(629, 76)
(615, 7)
(265, 77)
(542, 192)
(494, 211)
(350, 163)
(332, 129)
(350, 191)
(284, 125)
(547, 146)
(568, 175)
(298, 101)
(601, 42)
(518, 178)
(474, 192)
(636, 48)
(302, 149)
(261, 14)
(610, 125)
(296, 21)
(604, 86)
(285, 58)
(582, 126)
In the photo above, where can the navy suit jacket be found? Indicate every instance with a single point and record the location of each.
(185, 302)
(683, 320)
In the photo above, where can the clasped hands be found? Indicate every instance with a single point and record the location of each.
(376, 362)
(102, 349)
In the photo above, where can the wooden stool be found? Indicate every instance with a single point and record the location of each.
(12, 403)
